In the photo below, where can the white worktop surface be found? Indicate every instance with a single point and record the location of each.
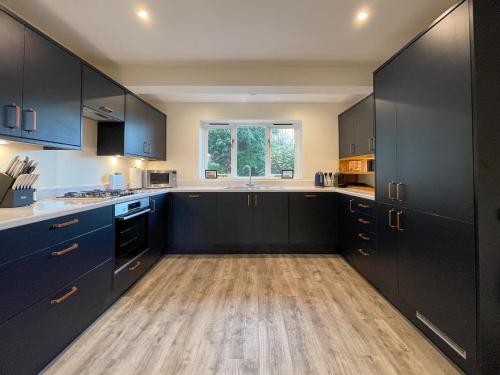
(54, 207)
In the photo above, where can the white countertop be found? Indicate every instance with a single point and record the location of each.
(46, 209)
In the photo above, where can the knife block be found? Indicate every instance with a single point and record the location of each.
(17, 198)
(5, 184)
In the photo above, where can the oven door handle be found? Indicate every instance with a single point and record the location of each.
(134, 215)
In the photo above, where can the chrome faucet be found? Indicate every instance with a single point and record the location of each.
(250, 185)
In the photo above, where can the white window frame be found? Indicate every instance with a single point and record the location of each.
(234, 125)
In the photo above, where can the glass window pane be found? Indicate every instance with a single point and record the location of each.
(251, 150)
(219, 150)
(282, 150)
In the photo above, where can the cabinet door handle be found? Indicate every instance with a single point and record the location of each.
(363, 221)
(310, 195)
(65, 251)
(63, 298)
(248, 200)
(193, 196)
(390, 212)
(371, 144)
(389, 190)
(106, 109)
(350, 205)
(33, 120)
(256, 200)
(135, 266)
(65, 224)
(152, 201)
(362, 205)
(363, 252)
(17, 121)
(398, 221)
(399, 193)
(363, 237)
(353, 148)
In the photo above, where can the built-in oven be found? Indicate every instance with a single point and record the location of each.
(131, 231)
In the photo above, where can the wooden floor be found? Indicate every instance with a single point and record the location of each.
(283, 314)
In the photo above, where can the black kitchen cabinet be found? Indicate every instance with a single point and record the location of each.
(312, 218)
(234, 218)
(52, 93)
(157, 134)
(158, 225)
(356, 129)
(194, 220)
(11, 75)
(270, 218)
(103, 100)
(136, 127)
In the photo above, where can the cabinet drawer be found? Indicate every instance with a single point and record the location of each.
(364, 240)
(29, 279)
(364, 222)
(21, 241)
(363, 206)
(130, 273)
(33, 338)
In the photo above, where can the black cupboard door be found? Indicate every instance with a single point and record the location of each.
(312, 218)
(387, 252)
(345, 225)
(158, 224)
(434, 120)
(437, 274)
(195, 218)
(270, 218)
(11, 74)
(136, 126)
(346, 134)
(234, 218)
(386, 84)
(102, 95)
(157, 134)
(52, 93)
(363, 127)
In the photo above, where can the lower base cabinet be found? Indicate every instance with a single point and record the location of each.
(30, 340)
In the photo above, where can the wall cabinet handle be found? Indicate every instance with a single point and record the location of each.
(363, 252)
(135, 266)
(399, 192)
(65, 251)
(350, 205)
(371, 144)
(353, 148)
(65, 224)
(57, 301)
(363, 221)
(193, 196)
(364, 237)
(33, 120)
(17, 121)
(389, 213)
(398, 221)
(106, 109)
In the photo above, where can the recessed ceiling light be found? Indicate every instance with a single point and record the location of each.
(362, 16)
(143, 14)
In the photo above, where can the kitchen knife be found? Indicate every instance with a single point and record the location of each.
(29, 182)
(32, 183)
(11, 164)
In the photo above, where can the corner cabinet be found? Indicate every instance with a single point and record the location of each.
(356, 129)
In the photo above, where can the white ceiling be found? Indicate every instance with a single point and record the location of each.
(106, 31)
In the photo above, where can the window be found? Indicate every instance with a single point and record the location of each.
(267, 147)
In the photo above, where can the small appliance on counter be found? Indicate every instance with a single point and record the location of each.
(16, 184)
(319, 179)
(339, 180)
(116, 181)
(135, 178)
(158, 179)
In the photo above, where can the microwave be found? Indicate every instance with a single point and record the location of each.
(156, 179)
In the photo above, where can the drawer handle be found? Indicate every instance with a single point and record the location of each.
(72, 291)
(363, 221)
(363, 237)
(135, 266)
(361, 205)
(66, 224)
(193, 196)
(364, 253)
(311, 195)
(65, 251)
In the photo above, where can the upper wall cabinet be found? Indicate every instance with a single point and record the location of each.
(11, 75)
(356, 130)
(103, 100)
(52, 93)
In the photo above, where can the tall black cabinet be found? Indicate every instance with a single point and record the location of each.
(438, 162)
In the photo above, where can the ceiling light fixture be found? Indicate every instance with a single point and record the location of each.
(362, 16)
(143, 14)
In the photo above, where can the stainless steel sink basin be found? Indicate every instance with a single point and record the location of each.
(254, 187)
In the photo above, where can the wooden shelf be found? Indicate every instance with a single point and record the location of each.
(360, 157)
(357, 172)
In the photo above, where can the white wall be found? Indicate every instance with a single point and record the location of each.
(319, 132)
(70, 168)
